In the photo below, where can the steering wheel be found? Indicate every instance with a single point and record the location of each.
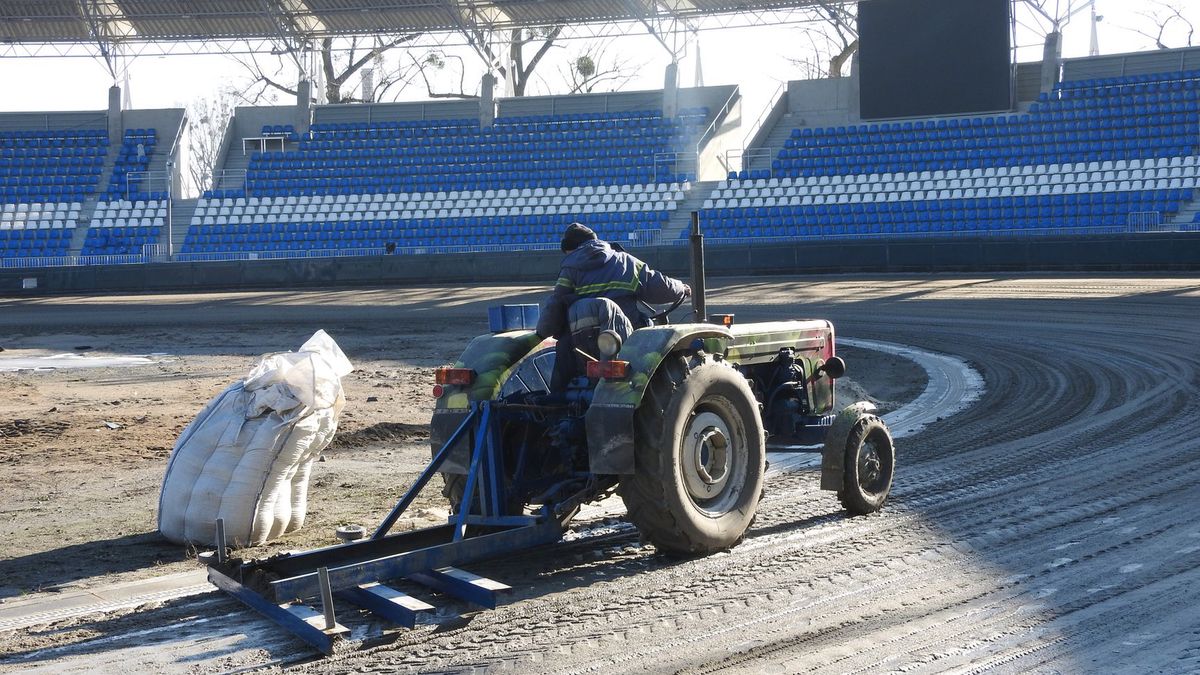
(661, 318)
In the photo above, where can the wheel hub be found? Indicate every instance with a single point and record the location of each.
(706, 457)
(869, 468)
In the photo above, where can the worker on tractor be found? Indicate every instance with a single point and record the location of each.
(598, 289)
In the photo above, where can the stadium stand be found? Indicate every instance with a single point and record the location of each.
(450, 183)
(124, 227)
(1093, 155)
(45, 175)
(130, 217)
(133, 159)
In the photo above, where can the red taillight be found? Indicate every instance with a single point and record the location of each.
(612, 370)
(438, 390)
(459, 376)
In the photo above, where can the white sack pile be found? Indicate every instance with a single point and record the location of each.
(247, 456)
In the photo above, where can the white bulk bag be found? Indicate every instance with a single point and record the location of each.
(247, 456)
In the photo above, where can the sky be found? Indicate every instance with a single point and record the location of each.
(755, 58)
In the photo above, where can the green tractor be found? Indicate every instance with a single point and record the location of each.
(676, 418)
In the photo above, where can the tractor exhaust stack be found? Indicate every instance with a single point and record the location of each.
(699, 312)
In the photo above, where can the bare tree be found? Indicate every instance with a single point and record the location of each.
(438, 62)
(515, 56)
(831, 32)
(1044, 17)
(523, 51)
(593, 66)
(339, 60)
(1167, 25)
(542, 39)
(207, 119)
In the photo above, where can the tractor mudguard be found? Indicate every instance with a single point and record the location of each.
(493, 358)
(833, 455)
(609, 419)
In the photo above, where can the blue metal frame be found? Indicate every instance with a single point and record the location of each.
(323, 640)
(426, 555)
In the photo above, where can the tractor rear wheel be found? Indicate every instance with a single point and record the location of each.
(700, 457)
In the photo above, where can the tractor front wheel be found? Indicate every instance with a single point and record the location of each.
(870, 466)
(699, 457)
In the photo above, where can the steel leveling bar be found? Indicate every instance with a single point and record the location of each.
(444, 553)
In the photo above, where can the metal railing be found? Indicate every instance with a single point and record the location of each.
(753, 129)
(148, 181)
(1018, 232)
(724, 111)
(749, 160)
(681, 162)
(645, 238)
(229, 179)
(1145, 221)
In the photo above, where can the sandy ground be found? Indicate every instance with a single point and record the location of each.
(83, 445)
(1047, 526)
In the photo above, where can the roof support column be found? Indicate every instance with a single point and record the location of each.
(116, 123)
(1051, 61)
(487, 101)
(670, 104)
(303, 106)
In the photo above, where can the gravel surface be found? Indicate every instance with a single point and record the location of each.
(1045, 528)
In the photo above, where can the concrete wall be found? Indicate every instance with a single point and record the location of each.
(824, 103)
(727, 135)
(1137, 63)
(38, 121)
(1146, 252)
(1029, 80)
(389, 112)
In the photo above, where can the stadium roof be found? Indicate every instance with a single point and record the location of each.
(132, 21)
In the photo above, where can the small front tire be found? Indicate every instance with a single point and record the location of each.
(870, 466)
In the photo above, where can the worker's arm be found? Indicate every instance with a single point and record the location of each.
(657, 288)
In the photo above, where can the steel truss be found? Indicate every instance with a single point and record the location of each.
(112, 36)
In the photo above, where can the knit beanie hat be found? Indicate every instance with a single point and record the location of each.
(575, 236)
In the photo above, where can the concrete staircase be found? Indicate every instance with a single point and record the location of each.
(181, 217)
(681, 219)
(762, 155)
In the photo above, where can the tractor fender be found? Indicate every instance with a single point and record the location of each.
(609, 419)
(493, 358)
(833, 455)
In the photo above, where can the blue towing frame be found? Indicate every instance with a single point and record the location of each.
(354, 572)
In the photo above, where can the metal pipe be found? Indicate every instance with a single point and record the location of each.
(326, 598)
(699, 313)
(424, 478)
(221, 555)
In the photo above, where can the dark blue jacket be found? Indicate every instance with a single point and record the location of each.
(596, 270)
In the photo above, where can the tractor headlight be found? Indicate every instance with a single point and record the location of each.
(608, 343)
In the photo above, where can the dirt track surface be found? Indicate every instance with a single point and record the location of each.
(1049, 527)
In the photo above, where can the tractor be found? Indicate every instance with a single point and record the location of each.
(677, 419)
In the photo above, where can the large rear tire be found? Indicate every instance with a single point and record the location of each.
(700, 456)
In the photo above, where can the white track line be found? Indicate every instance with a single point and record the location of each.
(953, 387)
